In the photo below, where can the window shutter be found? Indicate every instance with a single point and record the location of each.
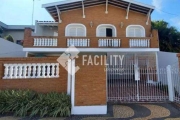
(76, 30)
(131, 32)
(138, 32)
(80, 32)
(102, 32)
(72, 31)
(135, 31)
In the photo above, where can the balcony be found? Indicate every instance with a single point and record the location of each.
(91, 42)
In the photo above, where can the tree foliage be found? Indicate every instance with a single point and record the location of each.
(9, 38)
(169, 36)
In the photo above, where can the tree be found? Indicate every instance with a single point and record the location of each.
(9, 38)
(169, 36)
(1, 30)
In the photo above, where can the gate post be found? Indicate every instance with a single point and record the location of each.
(73, 86)
(170, 84)
(69, 77)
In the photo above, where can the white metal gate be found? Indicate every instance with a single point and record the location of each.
(136, 79)
(175, 79)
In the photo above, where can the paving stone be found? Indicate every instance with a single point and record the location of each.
(140, 110)
(172, 119)
(156, 112)
(121, 111)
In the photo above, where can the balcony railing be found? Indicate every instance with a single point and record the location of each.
(92, 42)
(45, 42)
(109, 42)
(139, 43)
(78, 42)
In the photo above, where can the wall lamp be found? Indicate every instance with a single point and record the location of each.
(121, 24)
(91, 24)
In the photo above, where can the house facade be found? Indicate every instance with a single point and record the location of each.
(95, 28)
(16, 31)
(41, 28)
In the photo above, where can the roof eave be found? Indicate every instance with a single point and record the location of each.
(141, 4)
(59, 3)
(70, 1)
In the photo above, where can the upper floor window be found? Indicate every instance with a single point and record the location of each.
(106, 30)
(75, 29)
(135, 31)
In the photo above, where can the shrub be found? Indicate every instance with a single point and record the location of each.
(52, 104)
(9, 38)
(26, 102)
(16, 101)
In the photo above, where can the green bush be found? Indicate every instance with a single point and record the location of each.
(16, 101)
(25, 102)
(51, 104)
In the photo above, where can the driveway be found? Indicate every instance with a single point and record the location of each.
(151, 111)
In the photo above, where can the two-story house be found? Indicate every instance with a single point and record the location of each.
(94, 27)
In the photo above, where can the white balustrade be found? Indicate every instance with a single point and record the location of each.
(45, 41)
(57, 70)
(78, 42)
(35, 70)
(109, 42)
(139, 43)
(24, 70)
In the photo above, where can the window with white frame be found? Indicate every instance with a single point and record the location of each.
(106, 30)
(135, 31)
(78, 30)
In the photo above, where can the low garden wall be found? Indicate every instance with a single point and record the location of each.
(37, 74)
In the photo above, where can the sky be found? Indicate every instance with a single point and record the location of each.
(19, 12)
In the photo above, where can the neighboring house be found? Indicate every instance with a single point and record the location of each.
(41, 28)
(9, 49)
(94, 27)
(16, 31)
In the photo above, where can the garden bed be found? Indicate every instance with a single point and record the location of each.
(23, 103)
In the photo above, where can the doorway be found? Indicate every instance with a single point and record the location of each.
(106, 30)
(109, 32)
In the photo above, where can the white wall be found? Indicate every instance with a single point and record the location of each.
(45, 30)
(9, 49)
(166, 58)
